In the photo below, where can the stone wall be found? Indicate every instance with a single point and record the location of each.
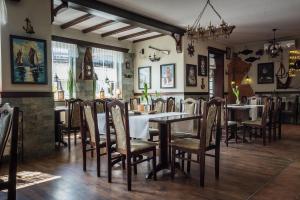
(38, 124)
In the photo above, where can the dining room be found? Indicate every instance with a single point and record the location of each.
(111, 99)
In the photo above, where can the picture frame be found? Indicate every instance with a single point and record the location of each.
(28, 60)
(167, 76)
(202, 65)
(228, 53)
(265, 73)
(144, 76)
(191, 75)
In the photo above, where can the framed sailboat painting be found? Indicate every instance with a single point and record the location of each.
(28, 60)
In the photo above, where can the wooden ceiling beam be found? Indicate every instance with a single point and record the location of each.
(99, 26)
(148, 38)
(60, 8)
(134, 35)
(120, 30)
(76, 21)
(101, 9)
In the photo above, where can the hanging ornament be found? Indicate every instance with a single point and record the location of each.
(191, 49)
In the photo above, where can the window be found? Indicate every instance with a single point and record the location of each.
(211, 71)
(107, 67)
(63, 60)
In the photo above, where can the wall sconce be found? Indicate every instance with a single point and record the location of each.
(102, 94)
(248, 80)
(154, 58)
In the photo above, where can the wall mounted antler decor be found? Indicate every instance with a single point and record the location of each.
(154, 57)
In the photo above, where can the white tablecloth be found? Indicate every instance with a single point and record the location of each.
(251, 107)
(138, 124)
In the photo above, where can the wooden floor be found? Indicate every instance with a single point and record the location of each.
(248, 171)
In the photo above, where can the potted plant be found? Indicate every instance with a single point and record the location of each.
(145, 99)
(70, 83)
(236, 92)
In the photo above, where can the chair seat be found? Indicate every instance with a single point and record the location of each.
(103, 139)
(180, 135)
(231, 123)
(187, 143)
(153, 131)
(256, 122)
(140, 145)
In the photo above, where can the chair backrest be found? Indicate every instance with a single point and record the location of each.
(9, 118)
(134, 102)
(201, 108)
(277, 109)
(224, 111)
(266, 111)
(73, 119)
(100, 105)
(159, 105)
(171, 104)
(211, 122)
(119, 114)
(190, 106)
(88, 121)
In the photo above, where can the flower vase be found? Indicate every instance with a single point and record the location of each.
(237, 101)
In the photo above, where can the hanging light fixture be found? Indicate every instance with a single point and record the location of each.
(198, 32)
(274, 49)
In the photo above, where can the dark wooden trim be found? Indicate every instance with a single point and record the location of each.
(25, 94)
(274, 92)
(215, 50)
(60, 8)
(99, 26)
(195, 93)
(125, 16)
(88, 44)
(76, 21)
(148, 38)
(120, 30)
(135, 35)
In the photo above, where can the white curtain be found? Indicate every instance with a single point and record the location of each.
(3, 12)
(64, 49)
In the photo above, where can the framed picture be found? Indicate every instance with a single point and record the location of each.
(167, 76)
(191, 75)
(228, 53)
(202, 65)
(144, 76)
(28, 60)
(265, 73)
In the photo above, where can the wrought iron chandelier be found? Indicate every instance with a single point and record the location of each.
(274, 49)
(199, 32)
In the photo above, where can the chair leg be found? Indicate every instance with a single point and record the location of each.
(69, 140)
(109, 166)
(188, 167)
(227, 136)
(154, 165)
(236, 134)
(279, 130)
(264, 136)
(274, 132)
(173, 163)
(270, 132)
(217, 162)
(202, 169)
(244, 133)
(182, 160)
(128, 173)
(12, 191)
(123, 162)
(75, 137)
(135, 165)
(84, 157)
(98, 161)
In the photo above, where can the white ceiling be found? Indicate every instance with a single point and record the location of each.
(254, 18)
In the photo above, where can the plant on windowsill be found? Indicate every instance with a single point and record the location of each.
(145, 98)
(70, 82)
(236, 92)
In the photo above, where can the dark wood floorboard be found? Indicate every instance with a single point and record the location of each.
(248, 171)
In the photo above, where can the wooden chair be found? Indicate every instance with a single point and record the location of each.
(158, 105)
(211, 123)
(124, 145)
(90, 136)
(171, 104)
(291, 111)
(276, 118)
(134, 102)
(72, 120)
(9, 128)
(259, 123)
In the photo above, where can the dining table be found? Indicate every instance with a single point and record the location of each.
(139, 125)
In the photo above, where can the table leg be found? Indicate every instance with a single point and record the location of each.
(57, 129)
(164, 150)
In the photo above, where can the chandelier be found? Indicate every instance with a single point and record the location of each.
(274, 48)
(197, 31)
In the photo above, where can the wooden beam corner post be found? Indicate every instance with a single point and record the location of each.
(178, 41)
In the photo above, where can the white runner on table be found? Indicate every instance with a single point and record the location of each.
(138, 124)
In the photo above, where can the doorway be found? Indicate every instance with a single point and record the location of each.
(215, 72)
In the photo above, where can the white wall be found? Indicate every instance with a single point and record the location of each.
(39, 14)
(265, 59)
(166, 43)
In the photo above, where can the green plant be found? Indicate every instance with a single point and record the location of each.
(235, 90)
(145, 94)
(70, 82)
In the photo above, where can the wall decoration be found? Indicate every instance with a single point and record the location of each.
(202, 84)
(252, 59)
(28, 60)
(265, 73)
(191, 75)
(191, 49)
(178, 39)
(228, 53)
(144, 76)
(202, 65)
(246, 52)
(167, 76)
(28, 28)
(87, 69)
